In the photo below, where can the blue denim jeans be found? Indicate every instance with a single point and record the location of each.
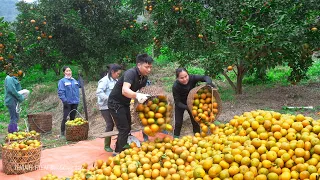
(14, 116)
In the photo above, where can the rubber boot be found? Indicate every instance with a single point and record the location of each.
(127, 146)
(174, 136)
(13, 127)
(107, 142)
(145, 137)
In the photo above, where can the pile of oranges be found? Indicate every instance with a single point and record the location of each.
(155, 115)
(261, 145)
(205, 109)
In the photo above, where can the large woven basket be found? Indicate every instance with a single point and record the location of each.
(20, 161)
(153, 91)
(40, 122)
(77, 133)
(214, 93)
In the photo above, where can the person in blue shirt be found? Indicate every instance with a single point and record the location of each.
(68, 91)
(12, 99)
(105, 86)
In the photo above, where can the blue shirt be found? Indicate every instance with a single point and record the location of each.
(68, 90)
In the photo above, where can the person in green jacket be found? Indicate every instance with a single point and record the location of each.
(12, 99)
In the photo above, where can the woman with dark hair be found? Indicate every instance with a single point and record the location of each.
(105, 86)
(68, 91)
(180, 89)
(12, 99)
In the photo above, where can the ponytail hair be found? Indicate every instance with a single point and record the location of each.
(113, 68)
(179, 70)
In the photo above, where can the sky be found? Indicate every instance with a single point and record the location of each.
(28, 1)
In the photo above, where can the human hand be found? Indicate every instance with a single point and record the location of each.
(212, 85)
(142, 97)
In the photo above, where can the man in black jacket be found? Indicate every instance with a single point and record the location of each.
(124, 90)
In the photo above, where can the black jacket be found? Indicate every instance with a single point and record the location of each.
(181, 91)
(136, 80)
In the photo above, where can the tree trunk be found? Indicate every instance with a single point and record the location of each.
(239, 84)
(240, 75)
(44, 70)
(86, 71)
(56, 70)
(230, 82)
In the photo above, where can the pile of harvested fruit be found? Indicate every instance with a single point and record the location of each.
(76, 122)
(21, 135)
(255, 145)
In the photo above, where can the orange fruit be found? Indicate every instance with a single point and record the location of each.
(144, 121)
(140, 108)
(158, 115)
(215, 105)
(151, 114)
(162, 98)
(199, 172)
(300, 118)
(203, 96)
(146, 109)
(162, 110)
(147, 130)
(169, 127)
(160, 121)
(151, 121)
(154, 128)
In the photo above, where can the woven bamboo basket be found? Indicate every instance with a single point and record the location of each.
(20, 161)
(215, 95)
(40, 122)
(77, 133)
(153, 91)
(37, 137)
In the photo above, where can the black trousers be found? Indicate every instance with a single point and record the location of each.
(107, 117)
(122, 118)
(66, 110)
(179, 120)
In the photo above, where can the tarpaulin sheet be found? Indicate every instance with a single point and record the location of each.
(62, 161)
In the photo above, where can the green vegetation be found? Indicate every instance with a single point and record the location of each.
(297, 110)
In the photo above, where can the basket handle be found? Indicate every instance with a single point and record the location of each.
(77, 112)
(38, 126)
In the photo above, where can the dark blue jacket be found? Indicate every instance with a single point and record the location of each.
(68, 90)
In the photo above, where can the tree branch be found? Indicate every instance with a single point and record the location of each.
(229, 80)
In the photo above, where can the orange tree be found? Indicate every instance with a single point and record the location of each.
(250, 36)
(90, 33)
(8, 50)
(34, 36)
